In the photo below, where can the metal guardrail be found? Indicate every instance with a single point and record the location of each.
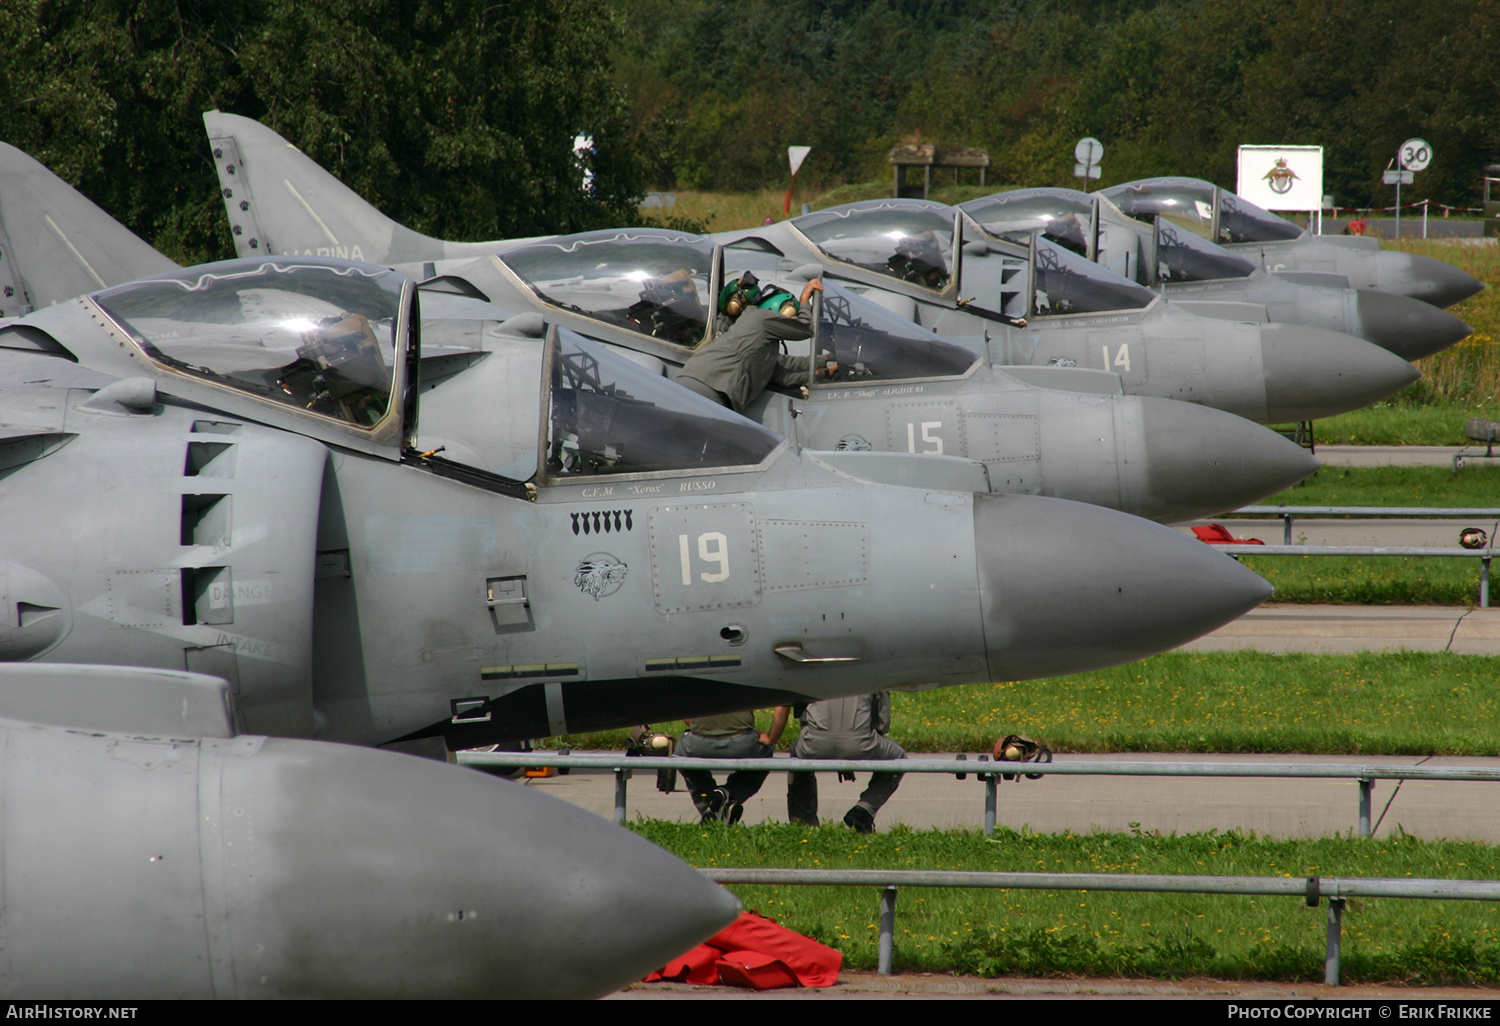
(986, 771)
(1311, 889)
(1286, 513)
(1484, 555)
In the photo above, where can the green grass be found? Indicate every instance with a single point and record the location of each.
(1371, 580)
(1210, 702)
(1475, 485)
(1402, 420)
(1073, 933)
(1227, 702)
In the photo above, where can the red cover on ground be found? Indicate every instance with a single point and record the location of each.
(754, 969)
(1218, 534)
(809, 963)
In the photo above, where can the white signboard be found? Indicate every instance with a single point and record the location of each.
(795, 155)
(1282, 177)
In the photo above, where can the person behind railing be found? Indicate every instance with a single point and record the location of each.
(844, 728)
(730, 736)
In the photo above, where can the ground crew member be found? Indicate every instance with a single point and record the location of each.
(844, 728)
(737, 365)
(730, 736)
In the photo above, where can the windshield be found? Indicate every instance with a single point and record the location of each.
(1243, 221)
(1063, 215)
(1068, 284)
(907, 239)
(315, 334)
(611, 416)
(1183, 256)
(869, 343)
(1189, 202)
(648, 281)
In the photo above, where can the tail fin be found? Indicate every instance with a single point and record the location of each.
(281, 202)
(55, 244)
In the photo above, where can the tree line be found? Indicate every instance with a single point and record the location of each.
(718, 89)
(457, 117)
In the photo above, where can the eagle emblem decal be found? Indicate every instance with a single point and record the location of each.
(599, 574)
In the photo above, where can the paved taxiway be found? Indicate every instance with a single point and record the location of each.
(1271, 807)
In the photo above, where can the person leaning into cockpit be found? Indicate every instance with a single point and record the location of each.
(739, 364)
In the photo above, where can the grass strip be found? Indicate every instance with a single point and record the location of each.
(1477, 484)
(1402, 703)
(1371, 580)
(1072, 933)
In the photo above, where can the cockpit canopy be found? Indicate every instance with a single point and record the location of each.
(1201, 207)
(905, 239)
(317, 335)
(1066, 283)
(869, 343)
(649, 281)
(1063, 215)
(1183, 256)
(608, 415)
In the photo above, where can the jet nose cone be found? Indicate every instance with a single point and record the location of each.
(362, 873)
(1198, 460)
(1407, 327)
(1066, 587)
(1431, 281)
(1312, 372)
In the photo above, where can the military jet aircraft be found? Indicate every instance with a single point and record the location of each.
(152, 851)
(260, 473)
(278, 200)
(1198, 275)
(1277, 245)
(893, 386)
(1040, 304)
(1163, 460)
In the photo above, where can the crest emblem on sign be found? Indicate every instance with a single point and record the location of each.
(1280, 177)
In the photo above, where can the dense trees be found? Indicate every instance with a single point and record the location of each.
(1171, 86)
(455, 116)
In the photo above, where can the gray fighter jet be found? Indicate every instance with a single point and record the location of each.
(1277, 245)
(893, 386)
(1151, 457)
(1041, 305)
(1198, 275)
(152, 851)
(977, 290)
(256, 470)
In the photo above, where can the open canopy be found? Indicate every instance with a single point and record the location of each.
(654, 282)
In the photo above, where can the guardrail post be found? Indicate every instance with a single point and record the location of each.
(1335, 935)
(621, 775)
(887, 929)
(1366, 786)
(1484, 582)
(991, 782)
(1286, 530)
